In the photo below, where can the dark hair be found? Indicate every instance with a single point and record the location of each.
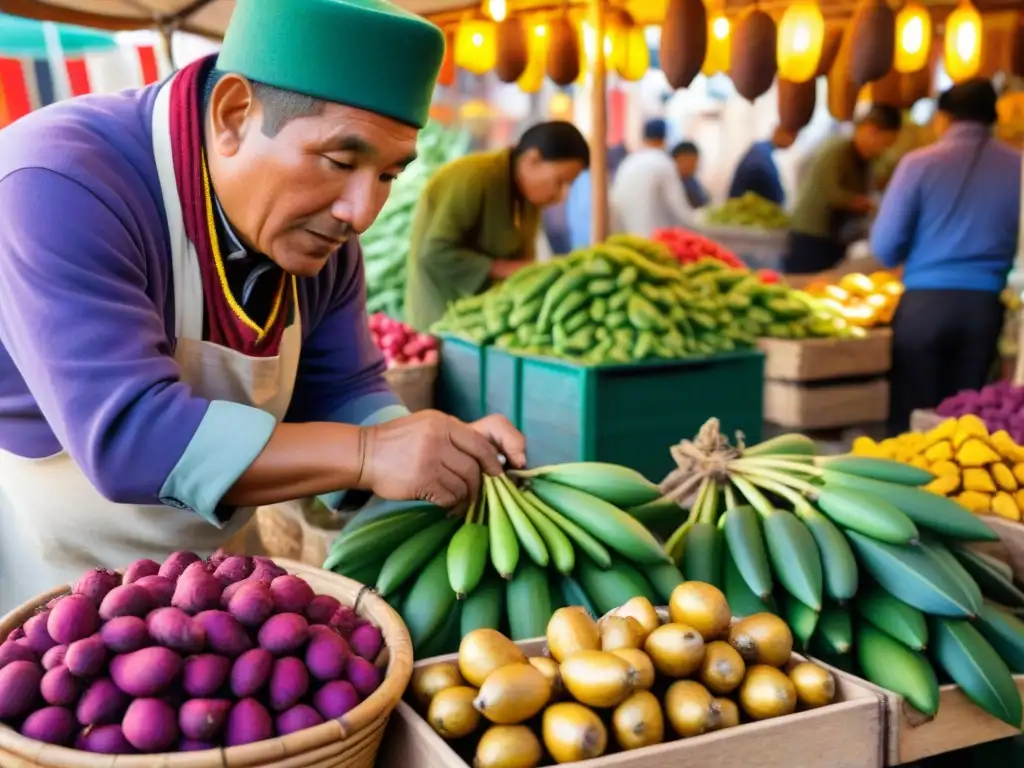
(655, 130)
(280, 107)
(883, 117)
(971, 101)
(555, 140)
(685, 148)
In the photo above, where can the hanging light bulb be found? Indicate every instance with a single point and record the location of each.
(537, 46)
(963, 42)
(475, 45)
(800, 38)
(717, 57)
(497, 9)
(913, 38)
(633, 57)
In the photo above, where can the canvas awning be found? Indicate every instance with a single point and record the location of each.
(22, 38)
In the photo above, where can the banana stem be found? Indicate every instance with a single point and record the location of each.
(709, 512)
(757, 499)
(730, 496)
(779, 477)
(675, 541)
(777, 464)
(801, 506)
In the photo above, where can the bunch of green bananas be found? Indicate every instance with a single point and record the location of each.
(871, 572)
(535, 541)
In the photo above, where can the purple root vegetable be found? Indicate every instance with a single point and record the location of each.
(335, 699)
(140, 569)
(19, 688)
(126, 600)
(315, 630)
(200, 566)
(218, 557)
(327, 655)
(234, 569)
(104, 740)
(289, 682)
(86, 657)
(345, 620)
(250, 672)
(366, 641)
(197, 591)
(252, 603)
(73, 618)
(53, 657)
(231, 589)
(176, 564)
(291, 594)
(268, 566)
(160, 590)
(103, 703)
(284, 633)
(54, 725)
(202, 676)
(321, 608)
(37, 636)
(248, 722)
(224, 635)
(125, 634)
(191, 745)
(148, 672)
(363, 675)
(150, 725)
(16, 634)
(12, 650)
(298, 718)
(60, 688)
(203, 719)
(175, 629)
(96, 584)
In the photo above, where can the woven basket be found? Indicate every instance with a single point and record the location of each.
(414, 384)
(351, 741)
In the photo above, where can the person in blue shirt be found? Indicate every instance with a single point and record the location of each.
(687, 158)
(757, 171)
(578, 204)
(950, 217)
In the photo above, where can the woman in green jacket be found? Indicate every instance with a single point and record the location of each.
(478, 218)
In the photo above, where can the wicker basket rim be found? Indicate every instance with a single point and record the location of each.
(376, 707)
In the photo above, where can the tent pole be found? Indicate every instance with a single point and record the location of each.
(598, 127)
(55, 58)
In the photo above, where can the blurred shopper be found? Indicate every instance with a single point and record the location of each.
(687, 158)
(834, 198)
(646, 194)
(579, 205)
(950, 217)
(757, 171)
(478, 218)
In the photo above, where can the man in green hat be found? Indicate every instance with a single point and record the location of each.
(183, 331)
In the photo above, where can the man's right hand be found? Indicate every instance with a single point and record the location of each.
(435, 457)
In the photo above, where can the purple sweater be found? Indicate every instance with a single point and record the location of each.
(87, 319)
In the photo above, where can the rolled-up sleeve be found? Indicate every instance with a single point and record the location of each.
(892, 233)
(92, 348)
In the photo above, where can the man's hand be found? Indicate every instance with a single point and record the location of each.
(437, 458)
(503, 269)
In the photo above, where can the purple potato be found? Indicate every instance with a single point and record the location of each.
(54, 725)
(289, 682)
(175, 629)
(125, 634)
(86, 657)
(224, 634)
(298, 718)
(204, 675)
(37, 635)
(150, 725)
(248, 722)
(140, 569)
(145, 673)
(160, 590)
(251, 672)
(203, 719)
(60, 688)
(104, 740)
(327, 655)
(103, 703)
(19, 688)
(284, 633)
(335, 699)
(126, 600)
(252, 604)
(176, 564)
(96, 584)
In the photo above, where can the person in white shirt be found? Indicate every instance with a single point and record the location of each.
(646, 194)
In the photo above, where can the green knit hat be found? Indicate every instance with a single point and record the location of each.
(368, 54)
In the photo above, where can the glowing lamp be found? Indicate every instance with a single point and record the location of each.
(963, 42)
(475, 46)
(533, 78)
(800, 39)
(913, 38)
(633, 58)
(497, 9)
(717, 57)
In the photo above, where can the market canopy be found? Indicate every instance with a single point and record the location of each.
(210, 17)
(22, 38)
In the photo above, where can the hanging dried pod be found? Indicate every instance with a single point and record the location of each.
(563, 51)
(830, 49)
(842, 91)
(512, 50)
(684, 41)
(901, 90)
(752, 63)
(873, 41)
(796, 103)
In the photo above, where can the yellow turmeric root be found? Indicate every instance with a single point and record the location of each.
(940, 452)
(1004, 478)
(1005, 445)
(978, 480)
(968, 427)
(975, 453)
(1004, 505)
(975, 501)
(943, 468)
(944, 485)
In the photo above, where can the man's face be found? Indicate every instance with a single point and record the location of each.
(873, 142)
(545, 182)
(686, 162)
(298, 196)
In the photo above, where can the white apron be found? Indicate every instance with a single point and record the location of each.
(54, 525)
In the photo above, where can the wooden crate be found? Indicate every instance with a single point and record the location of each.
(847, 734)
(799, 406)
(925, 420)
(822, 359)
(1011, 535)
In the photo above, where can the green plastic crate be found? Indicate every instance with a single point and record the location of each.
(632, 414)
(474, 381)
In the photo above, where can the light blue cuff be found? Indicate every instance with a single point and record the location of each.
(228, 440)
(387, 413)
